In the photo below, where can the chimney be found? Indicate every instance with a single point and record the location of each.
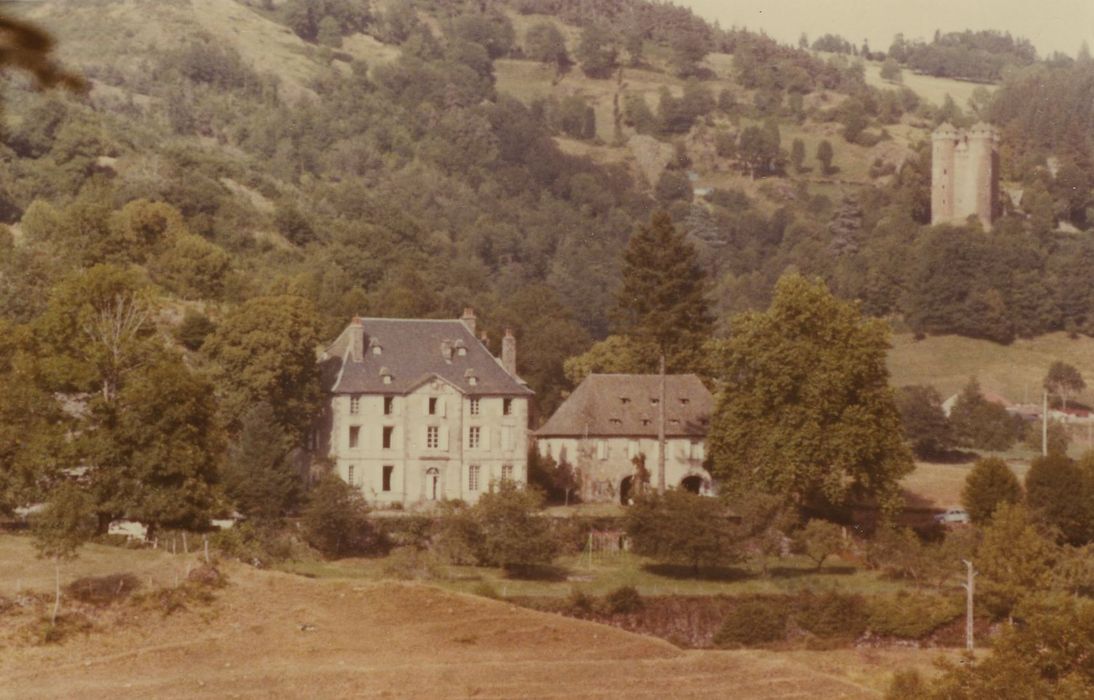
(356, 351)
(509, 352)
(468, 319)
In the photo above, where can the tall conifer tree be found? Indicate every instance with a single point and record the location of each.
(662, 303)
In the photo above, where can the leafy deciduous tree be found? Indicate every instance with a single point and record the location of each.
(807, 411)
(990, 484)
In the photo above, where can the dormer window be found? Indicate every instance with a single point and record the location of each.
(469, 375)
(624, 400)
(377, 350)
(616, 421)
(684, 402)
(654, 401)
(461, 351)
(385, 375)
(387, 379)
(645, 421)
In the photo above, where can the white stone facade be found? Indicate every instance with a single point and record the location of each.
(433, 444)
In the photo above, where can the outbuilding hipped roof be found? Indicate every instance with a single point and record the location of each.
(626, 405)
(411, 352)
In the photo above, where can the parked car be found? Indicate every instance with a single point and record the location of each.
(953, 516)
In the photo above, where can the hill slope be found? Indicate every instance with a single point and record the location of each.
(393, 640)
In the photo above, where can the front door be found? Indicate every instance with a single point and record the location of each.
(432, 483)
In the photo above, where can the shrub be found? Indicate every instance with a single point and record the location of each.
(102, 590)
(752, 622)
(623, 600)
(910, 616)
(336, 520)
(580, 603)
(831, 615)
(408, 531)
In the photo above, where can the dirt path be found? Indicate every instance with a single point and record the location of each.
(276, 636)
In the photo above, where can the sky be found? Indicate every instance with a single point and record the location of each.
(1052, 25)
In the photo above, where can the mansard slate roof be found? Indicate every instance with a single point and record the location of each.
(412, 352)
(625, 405)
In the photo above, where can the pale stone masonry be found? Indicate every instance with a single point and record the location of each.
(612, 419)
(419, 411)
(964, 174)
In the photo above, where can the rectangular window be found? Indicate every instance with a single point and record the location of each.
(475, 407)
(388, 432)
(507, 407)
(354, 435)
(355, 404)
(507, 472)
(432, 437)
(432, 405)
(473, 478)
(389, 405)
(349, 475)
(388, 471)
(473, 437)
(507, 437)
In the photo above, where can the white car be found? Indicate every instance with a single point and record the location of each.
(953, 516)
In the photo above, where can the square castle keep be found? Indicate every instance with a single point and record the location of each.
(964, 174)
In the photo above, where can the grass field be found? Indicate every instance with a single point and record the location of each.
(605, 573)
(273, 635)
(932, 89)
(1016, 371)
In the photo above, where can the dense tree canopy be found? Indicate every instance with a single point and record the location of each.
(806, 409)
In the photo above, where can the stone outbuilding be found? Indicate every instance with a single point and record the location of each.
(609, 426)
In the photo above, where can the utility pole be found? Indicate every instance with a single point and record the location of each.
(970, 591)
(661, 431)
(1044, 424)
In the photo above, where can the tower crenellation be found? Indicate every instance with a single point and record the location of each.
(964, 174)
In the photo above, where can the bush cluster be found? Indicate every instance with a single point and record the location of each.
(753, 622)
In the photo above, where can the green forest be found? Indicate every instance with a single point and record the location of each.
(202, 220)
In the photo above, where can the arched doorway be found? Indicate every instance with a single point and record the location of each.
(432, 483)
(625, 487)
(693, 483)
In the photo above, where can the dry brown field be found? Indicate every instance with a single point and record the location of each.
(274, 635)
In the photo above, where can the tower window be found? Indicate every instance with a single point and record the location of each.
(354, 404)
(388, 432)
(388, 471)
(354, 435)
(432, 405)
(389, 405)
(475, 406)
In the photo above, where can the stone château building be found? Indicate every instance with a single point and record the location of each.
(964, 174)
(609, 425)
(420, 411)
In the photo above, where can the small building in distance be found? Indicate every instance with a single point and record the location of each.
(420, 411)
(964, 174)
(610, 423)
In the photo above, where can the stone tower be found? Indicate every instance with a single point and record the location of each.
(964, 174)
